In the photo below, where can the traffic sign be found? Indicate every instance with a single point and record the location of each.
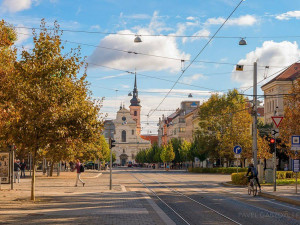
(275, 132)
(277, 120)
(295, 142)
(237, 149)
(296, 165)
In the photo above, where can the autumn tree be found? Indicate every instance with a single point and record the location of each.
(54, 113)
(290, 125)
(224, 123)
(7, 61)
(167, 154)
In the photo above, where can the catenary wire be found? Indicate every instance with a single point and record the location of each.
(204, 47)
(160, 35)
(152, 55)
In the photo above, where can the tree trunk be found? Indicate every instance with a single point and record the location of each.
(33, 175)
(52, 168)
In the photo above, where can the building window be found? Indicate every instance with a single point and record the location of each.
(132, 132)
(135, 113)
(123, 150)
(123, 136)
(181, 120)
(182, 129)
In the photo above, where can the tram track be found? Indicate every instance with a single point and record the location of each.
(178, 193)
(265, 206)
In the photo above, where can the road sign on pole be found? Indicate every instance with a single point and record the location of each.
(237, 149)
(295, 142)
(275, 133)
(277, 120)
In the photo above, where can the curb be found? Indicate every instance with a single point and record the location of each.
(267, 195)
(279, 198)
(231, 185)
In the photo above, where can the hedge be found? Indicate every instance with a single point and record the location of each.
(221, 170)
(239, 178)
(286, 174)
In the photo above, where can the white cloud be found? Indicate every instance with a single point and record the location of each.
(193, 78)
(22, 33)
(276, 55)
(191, 18)
(16, 5)
(246, 20)
(288, 15)
(161, 46)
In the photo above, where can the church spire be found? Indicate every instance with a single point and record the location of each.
(135, 87)
(135, 101)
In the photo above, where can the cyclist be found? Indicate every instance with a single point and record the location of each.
(253, 171)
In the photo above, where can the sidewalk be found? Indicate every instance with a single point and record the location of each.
(59, 202)
(284, 193)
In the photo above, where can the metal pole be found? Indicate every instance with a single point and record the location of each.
(12, 168)
(110, 167)
(274, 159)
(254, 127)
(274, 166)
(30, 163)
(296, 183)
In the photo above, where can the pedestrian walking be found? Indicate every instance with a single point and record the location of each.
(79, 169)
(23, 168)
(16, 171)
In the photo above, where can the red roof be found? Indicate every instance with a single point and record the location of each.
(152, 138)
(290, 74)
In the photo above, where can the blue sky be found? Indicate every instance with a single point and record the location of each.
(269, 27)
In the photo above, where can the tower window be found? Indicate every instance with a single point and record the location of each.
(123, 136)
(132, 132)
(135, 113)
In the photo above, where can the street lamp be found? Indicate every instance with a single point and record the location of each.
(129, 94)
(137, 39)
(242, 42)
(190, 95)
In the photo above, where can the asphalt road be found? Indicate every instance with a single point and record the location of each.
(201, 199)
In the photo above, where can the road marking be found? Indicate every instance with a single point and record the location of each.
(158, 210)
(199, 203)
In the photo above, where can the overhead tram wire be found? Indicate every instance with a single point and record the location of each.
(151, 55)
(144, 75)
(160, 35)
(183, 71)
(273, 74)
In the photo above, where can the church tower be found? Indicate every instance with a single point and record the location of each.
(135, 108)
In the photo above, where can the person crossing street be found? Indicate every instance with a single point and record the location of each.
(79, 169)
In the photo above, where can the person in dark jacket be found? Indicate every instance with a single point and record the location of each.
(253, 174)
(23, 168)
(16, 171)
(77, 168)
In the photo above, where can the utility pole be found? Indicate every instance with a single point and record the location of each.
(274, 156)
(110, 166)
(12, 167)
(254, 125)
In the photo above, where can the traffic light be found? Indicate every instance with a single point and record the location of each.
(112, 143)
(272, 145)
(278, 140)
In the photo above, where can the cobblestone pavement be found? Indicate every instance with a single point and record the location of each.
(59, 202)
(140, 196)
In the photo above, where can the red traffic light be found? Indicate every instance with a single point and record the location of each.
(272, 140)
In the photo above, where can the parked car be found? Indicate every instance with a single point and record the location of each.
(91, 165)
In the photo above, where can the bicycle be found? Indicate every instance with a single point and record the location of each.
(252, 187)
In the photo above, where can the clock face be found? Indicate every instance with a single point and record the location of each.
(124, 118)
